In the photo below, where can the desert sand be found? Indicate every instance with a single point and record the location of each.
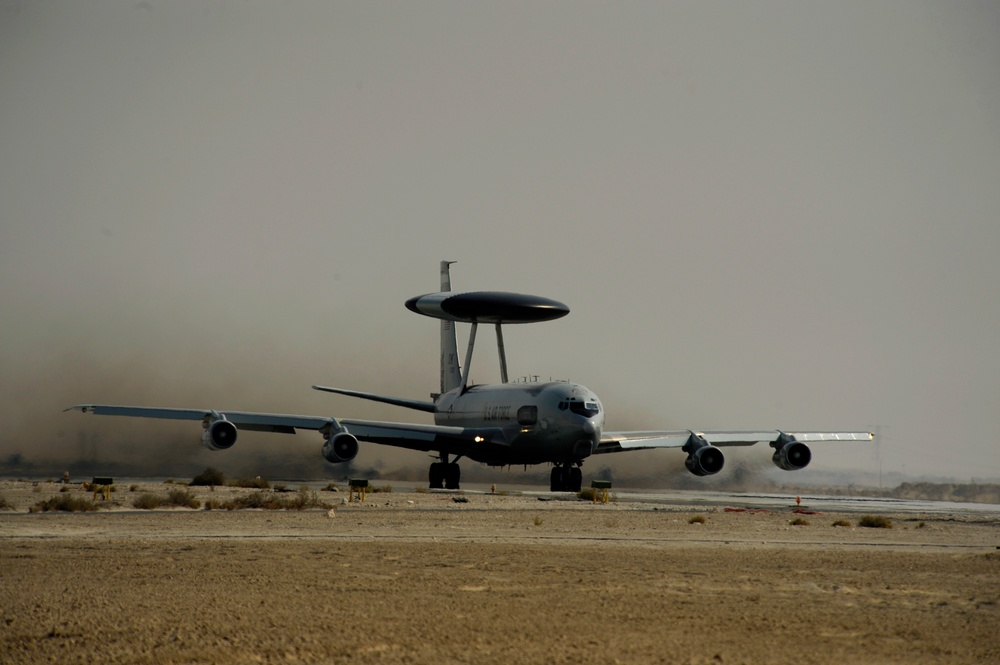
(416, 577)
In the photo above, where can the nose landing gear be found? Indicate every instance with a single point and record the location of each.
(566, 478)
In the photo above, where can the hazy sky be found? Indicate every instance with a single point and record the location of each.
(769, 214)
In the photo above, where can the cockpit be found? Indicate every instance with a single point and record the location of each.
(579, 407)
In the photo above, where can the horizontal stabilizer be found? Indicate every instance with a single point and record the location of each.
(429, 407)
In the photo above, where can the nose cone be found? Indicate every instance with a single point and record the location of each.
(589, 427)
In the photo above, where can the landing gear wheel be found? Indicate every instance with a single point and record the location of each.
(558, 479)
(436, 476)
(452, 476)
(566, 479)
(574, 479)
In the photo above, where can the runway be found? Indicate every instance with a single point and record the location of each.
(769, 501)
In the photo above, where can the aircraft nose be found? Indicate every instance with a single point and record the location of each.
(589, 427)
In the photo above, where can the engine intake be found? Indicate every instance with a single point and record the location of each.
(792, 456)
(220, 434)
(703, 458)
(705, 461)
(342, 447)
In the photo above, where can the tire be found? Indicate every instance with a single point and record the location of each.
(452, 476)
(436, 476)
(575, 479)
(558, 479)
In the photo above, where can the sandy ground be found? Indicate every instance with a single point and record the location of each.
(420, 578)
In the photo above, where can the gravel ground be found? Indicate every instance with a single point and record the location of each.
(420, 578)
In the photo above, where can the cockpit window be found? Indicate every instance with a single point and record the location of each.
(585, 409)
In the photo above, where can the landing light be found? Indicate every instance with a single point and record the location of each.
(479, 439)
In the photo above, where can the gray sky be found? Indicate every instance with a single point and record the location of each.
(776, 214)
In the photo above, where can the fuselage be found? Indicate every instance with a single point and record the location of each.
(552, 421)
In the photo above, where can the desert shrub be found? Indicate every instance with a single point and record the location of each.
(538, 520)
(301, 500)
(37, 489)
(253, 483)
(147, 501)
(377, 489)
(875, 522)
(587, 494)
(179, 498)
(5, 504)
(183, 499)
(64, 488)
(798, 521)
(66, 503)
(921, 524)
(331, 487)
(133, 488)
(305, 498)
(210, 476)
(214, 504)
(841, 523)
(696, 519)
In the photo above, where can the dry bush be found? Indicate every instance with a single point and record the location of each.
(696, 519)
(5, 504)
(798, 521)
(841, 523)
(377, 489)
(210, 477)
(301, 500)
(252, 483)
(875, 522)
(66, 503)
(178, 498)
(148, 501)
(183, 499)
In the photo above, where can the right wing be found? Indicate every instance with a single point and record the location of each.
(451, 440)
(613, 442)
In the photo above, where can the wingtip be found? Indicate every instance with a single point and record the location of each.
(82, 407)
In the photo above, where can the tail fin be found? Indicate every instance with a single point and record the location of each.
(451, 374)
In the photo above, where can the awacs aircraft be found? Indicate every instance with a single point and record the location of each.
(503, 424)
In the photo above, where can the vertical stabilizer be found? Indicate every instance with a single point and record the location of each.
(451, 375)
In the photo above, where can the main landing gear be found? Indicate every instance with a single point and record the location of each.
(566, 478)
(445, 475)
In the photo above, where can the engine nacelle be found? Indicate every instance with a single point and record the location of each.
(792, 456)
(705, 461)
(342, 447)
(220, 434)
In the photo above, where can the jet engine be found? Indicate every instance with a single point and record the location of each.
(703, 458)
(219, 434)
(341, 447)
(705, 461)
(792, 456)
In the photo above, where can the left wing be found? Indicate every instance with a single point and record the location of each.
(452, 440)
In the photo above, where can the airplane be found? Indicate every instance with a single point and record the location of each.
(509, 423)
